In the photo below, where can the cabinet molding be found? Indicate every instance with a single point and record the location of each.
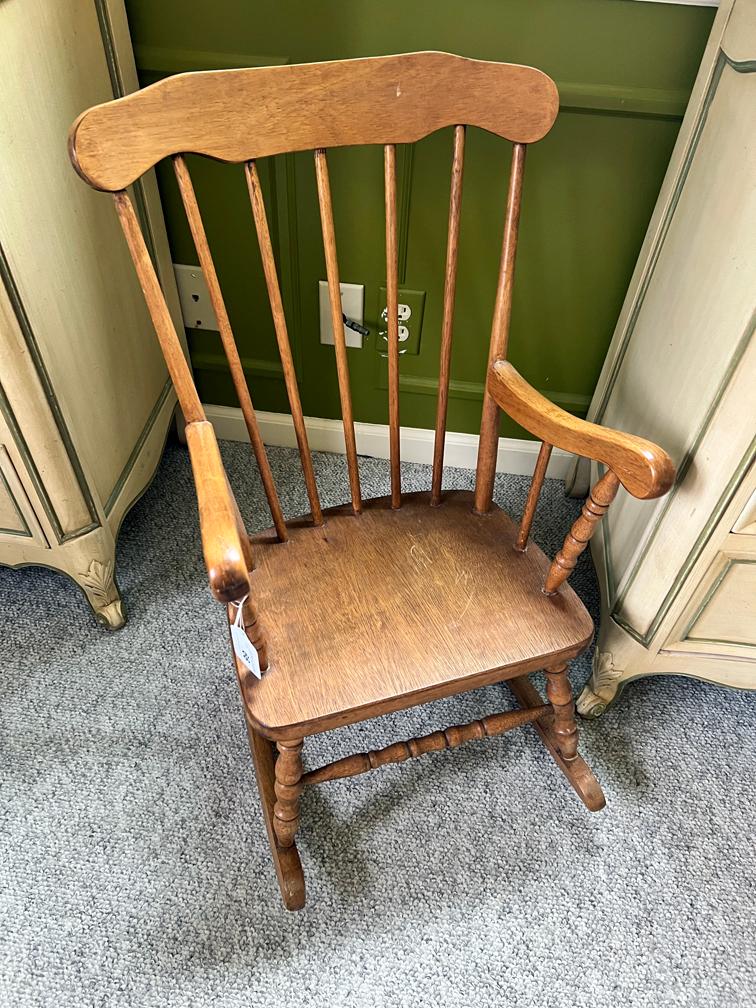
(35, 357)
(85, 402)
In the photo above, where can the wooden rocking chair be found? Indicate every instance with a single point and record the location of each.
(460, 596)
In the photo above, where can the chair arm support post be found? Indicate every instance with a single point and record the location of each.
(225, 544)
(595, 507)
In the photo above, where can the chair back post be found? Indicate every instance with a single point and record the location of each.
(176, 362)
(489, 423)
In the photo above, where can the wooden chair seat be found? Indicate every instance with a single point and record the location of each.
(383, 611)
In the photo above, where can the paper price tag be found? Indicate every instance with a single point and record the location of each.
(244, 649)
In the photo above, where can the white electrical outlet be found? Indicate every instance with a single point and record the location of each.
(353, 306)
(194, 298)
(403, 312)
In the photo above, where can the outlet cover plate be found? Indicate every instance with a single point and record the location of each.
(194, 298)
(411, 308)
(352, 304)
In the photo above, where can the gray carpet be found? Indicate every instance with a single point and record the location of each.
(135, 870)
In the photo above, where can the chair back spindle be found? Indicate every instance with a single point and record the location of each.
(334, 294)
(489, 423)
(282, 335)
(199, 237)
(542, 464)
(392, 320)
(450, 289)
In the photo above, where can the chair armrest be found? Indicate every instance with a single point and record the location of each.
(643, 468)
(225, 555)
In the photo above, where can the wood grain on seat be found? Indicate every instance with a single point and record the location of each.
(372, 614)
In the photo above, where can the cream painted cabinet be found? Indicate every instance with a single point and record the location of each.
(85, 402)
(678, 577)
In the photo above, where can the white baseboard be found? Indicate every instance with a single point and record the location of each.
(516, 455)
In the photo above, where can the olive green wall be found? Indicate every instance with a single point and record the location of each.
(624, 71)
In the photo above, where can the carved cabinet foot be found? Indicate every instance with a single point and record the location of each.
(90, 562)
(99, 586)
(602, 689)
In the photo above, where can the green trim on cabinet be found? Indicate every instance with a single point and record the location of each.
(138, 445)
(26, 532)
(119, 90)
(604, 530)
(106, 33)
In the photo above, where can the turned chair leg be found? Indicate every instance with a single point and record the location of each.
(288, 789)
(559, 693)
(285, 859)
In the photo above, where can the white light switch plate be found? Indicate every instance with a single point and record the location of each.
(353, 305)
(194, 298)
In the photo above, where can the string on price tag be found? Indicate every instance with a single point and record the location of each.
(244, 649)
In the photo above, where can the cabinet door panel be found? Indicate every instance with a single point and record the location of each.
(688, 351)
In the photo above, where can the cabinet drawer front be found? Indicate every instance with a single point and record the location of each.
(729, 614)
(720, 617)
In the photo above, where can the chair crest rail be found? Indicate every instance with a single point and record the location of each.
(241, 115)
